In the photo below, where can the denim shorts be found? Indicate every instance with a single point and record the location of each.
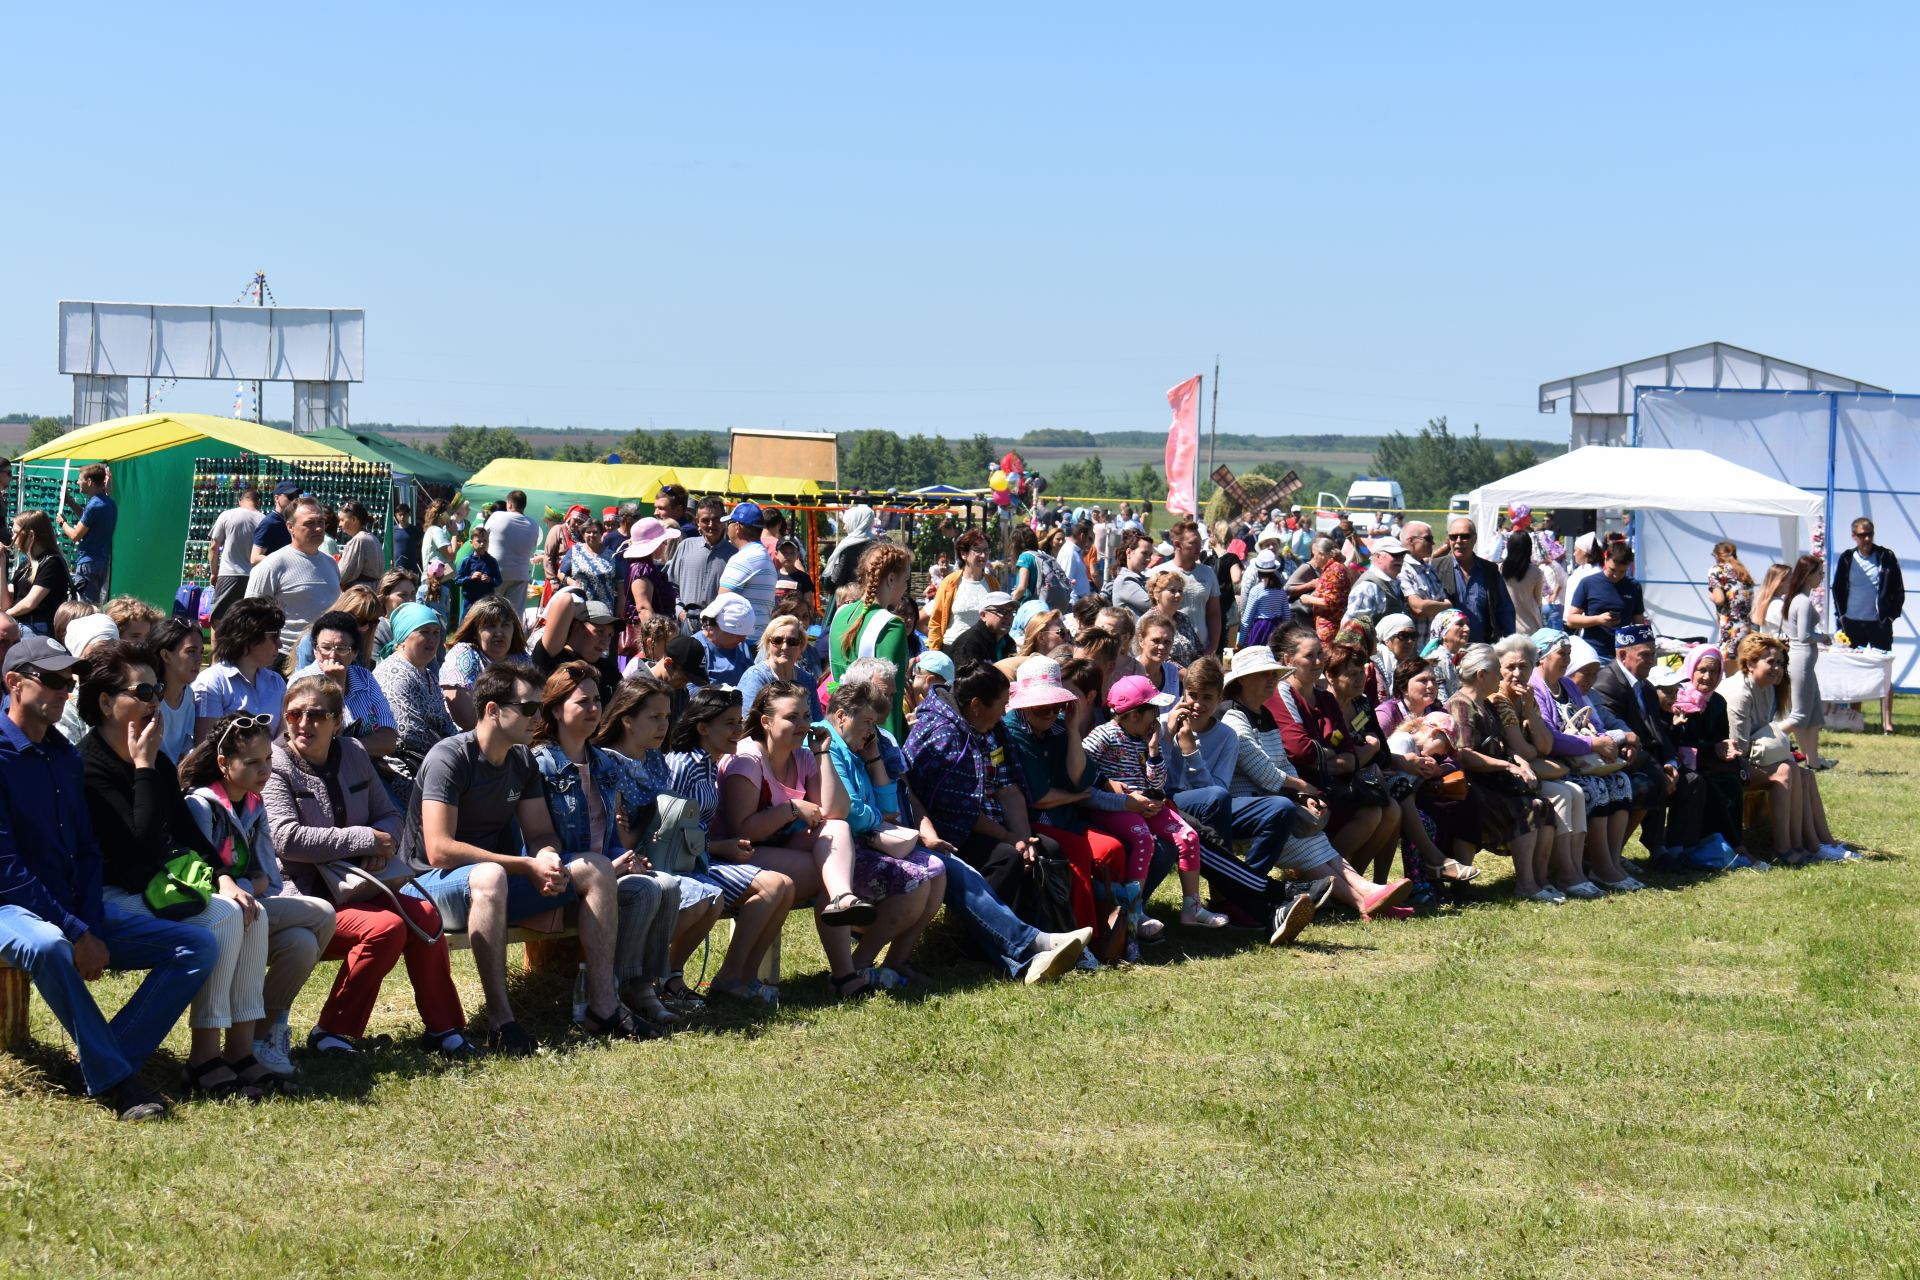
(450, 891)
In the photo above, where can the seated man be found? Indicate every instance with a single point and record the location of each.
(470, 792)
(53, 924)
(726, 627)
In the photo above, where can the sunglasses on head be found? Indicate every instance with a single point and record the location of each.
(240, 724)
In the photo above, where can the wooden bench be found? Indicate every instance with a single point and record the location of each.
(555, 952)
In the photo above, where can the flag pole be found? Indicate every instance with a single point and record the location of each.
(1213, 431)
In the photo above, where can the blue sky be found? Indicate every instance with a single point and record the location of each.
(980, 217)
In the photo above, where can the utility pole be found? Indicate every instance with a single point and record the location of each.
(259, 300)
(1213, 432)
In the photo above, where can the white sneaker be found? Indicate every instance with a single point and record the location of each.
(1586, 891)
(275, 1052)
(1051, 963)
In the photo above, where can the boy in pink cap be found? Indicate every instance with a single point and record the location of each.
(1126, 749)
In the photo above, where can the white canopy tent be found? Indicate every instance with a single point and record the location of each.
(1689, 482)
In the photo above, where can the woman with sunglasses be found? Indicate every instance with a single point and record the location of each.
(781, 647)
(141, 821)
(325, 805)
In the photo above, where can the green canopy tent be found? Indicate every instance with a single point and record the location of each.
(406, 461)
(151, 459)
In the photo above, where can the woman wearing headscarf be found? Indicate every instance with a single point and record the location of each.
(1450, 634)
(419, 709)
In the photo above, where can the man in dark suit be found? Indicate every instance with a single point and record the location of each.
(1473, 585)
(1621, 689)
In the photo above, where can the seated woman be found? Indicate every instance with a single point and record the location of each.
(1703, 734)
(325, 806)
(243, 676)
(176, 649)
(1363, 821)
(366, 715)
(1529, 739)
(633, 728)
(774, 795)
(1038, 632)
(1262, 768)
(419, 712)
(782, 646)
(1395, 634)
(1400, 774)
(1515, 820)
(1754, 700)
(1167, 589)
(1577, 732)
(1450, 631)
(584, 787)
(489, 633)
(890, 866)
(362, 604)
(142, 823)
(1046, 719)
(758, 898)
(1153, 639)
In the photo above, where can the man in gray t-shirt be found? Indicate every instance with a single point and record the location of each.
(230, 552)
(478, 821)
(511, 537)
(301, 578)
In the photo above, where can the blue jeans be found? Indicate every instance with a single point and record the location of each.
(1266, 821)
(180, 956)
(1004, 938)
(90, 581)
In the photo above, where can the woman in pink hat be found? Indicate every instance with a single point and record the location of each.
(648, 593)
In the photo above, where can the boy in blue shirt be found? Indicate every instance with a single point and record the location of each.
(478, 573)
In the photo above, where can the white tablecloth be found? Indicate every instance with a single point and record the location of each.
(1853, 675)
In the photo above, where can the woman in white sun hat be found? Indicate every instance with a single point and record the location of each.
(1261, 768)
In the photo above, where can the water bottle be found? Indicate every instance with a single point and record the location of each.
(580, 995)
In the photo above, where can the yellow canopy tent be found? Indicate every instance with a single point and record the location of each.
(561, 484)
(151, 457)
(737, 483)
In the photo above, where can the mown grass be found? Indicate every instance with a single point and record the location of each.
(1716, 1078)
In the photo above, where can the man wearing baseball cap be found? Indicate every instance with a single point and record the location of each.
(750, 572)
(725, 627)
(989, 639)
(1378, 593)
(54, 924)
(271, 533)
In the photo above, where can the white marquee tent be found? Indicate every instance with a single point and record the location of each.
(1689, 482)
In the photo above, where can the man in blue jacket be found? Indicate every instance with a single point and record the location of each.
(53, 923)
(1473, 585)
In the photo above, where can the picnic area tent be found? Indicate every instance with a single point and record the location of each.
(1694, 486)
(151, 457)
(558, 485)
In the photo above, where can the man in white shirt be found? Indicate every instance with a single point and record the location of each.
(511, 537)
(301, 578)
(230, 552)
(750, 571)
(1073, 560)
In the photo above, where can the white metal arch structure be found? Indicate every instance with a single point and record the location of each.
(320, 350)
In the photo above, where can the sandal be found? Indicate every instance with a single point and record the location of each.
(751, 993)
(618, 1025)
(220, 1090)
(675, 991)
(263, 1080)
(1454, 872)
(848, 909)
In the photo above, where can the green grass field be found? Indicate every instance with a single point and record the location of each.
(1716, 1078)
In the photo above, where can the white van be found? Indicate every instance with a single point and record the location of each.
(1376, 493)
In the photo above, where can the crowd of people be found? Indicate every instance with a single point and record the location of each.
(639, 724)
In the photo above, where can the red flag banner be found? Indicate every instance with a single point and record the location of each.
(1183, 449)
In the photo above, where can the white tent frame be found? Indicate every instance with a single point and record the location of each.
(1686, 480)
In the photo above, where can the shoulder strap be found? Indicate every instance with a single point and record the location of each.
(871, 629)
